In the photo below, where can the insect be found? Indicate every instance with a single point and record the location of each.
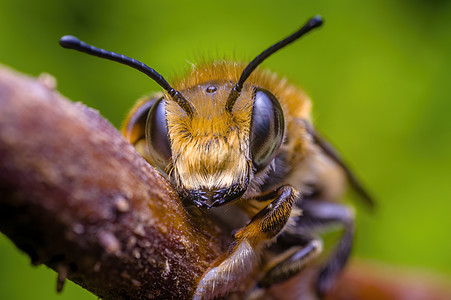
(230, 134)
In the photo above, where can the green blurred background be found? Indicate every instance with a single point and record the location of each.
(378, 72)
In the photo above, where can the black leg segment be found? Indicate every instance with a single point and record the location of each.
(293, 264)
(319, 215)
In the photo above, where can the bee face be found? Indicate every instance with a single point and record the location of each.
(212, 155)
(208, 134)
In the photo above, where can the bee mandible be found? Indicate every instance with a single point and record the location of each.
(231, 134)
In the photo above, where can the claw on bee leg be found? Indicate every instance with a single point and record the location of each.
(293, 264)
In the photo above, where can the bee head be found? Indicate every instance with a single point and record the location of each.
(211, 155)
(213, 135)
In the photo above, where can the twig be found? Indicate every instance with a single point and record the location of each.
(74, 195)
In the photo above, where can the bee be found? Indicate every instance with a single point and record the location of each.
(229, 134)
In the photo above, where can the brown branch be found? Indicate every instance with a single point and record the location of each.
(74, 195)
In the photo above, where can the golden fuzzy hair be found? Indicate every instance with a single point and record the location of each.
(210, 149)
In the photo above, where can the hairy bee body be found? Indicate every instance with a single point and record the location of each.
(300, 162)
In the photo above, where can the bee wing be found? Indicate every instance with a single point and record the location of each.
(331, 152)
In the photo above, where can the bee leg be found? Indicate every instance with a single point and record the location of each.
(242, 257)
(319, 215)
(292, 261)
(303, 247)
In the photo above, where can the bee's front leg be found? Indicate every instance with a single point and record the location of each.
(303, 245)
(242, 257)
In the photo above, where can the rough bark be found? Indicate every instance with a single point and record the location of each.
(74, 195)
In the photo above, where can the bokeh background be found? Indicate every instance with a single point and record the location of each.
(378, 72)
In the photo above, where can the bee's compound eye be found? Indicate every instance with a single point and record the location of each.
(267, 128)
(157, 135)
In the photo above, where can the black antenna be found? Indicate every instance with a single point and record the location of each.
(311, 24)
(72, 42)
